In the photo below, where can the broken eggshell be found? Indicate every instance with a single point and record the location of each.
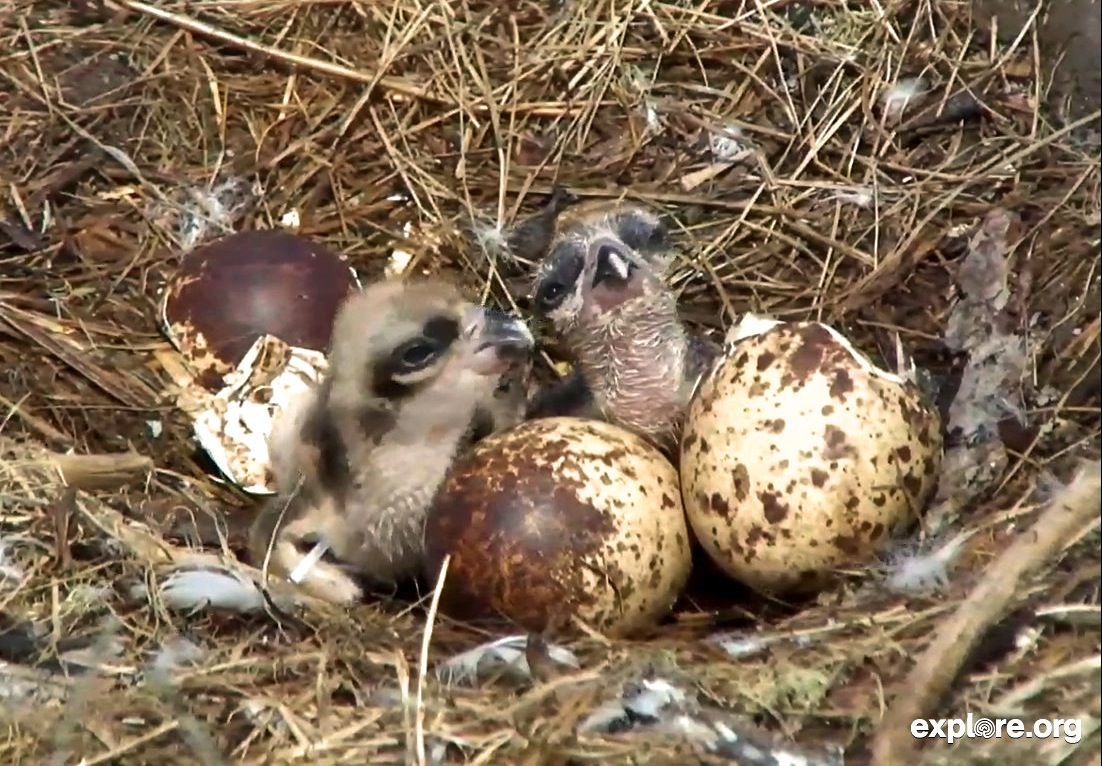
(235, 424)
(800, 457)
(251, 316)
(232, 291)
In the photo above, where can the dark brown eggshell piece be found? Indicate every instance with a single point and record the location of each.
(228, 293)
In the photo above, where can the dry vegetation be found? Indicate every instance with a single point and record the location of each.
(131, 132)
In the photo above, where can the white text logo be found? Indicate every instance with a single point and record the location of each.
(954, 729)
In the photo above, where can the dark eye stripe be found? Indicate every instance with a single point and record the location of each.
(555, 283)
(442, 330)
(321, 432)
(439, 331)
(640, 232)
(391, 389)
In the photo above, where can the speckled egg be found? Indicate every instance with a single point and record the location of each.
(799, 457)
(560, 520)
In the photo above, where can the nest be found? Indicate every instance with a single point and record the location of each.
(893, 169)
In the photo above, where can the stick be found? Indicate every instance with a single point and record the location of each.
(100, 471)
(1078, 504)
(390, 83)
(423, 665)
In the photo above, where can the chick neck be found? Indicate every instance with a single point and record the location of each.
(394, 476)
(633, 358)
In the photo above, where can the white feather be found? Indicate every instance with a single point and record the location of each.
(9, 569)
(741, 647)
(506, 654)
(729, 144)
(658, 706)
(897, 98)
(652, 699)
(921, 572)
(861, 196)
(177, 652)
(188, 589)
(489, 237)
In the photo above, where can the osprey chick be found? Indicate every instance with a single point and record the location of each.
(602, 286)
(416, 374)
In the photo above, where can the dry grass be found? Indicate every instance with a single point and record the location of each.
(131, 132)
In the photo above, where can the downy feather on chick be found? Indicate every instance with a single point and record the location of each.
(416, 374)
(601, 284)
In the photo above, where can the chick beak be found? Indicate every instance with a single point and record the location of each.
(614, 264)
(499, 341)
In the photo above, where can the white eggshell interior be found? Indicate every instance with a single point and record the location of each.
(753, 324)
(235, 427)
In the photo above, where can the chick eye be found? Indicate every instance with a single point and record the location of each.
(551, 293)
(563, 268)
(417, 354)
(641, 233)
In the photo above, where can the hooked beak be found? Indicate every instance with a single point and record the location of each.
(614, 263)
(499, 340)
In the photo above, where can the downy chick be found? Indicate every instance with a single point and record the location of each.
(602, 286)
(416, 374)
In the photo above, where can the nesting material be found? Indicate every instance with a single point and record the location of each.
(109, 117)
(557, 519)
(799, 456)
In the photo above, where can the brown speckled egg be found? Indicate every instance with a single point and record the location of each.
(561, 518)
(799, 457)
(230, 292)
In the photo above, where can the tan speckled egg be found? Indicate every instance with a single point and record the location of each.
(557, 519)
(799, 457)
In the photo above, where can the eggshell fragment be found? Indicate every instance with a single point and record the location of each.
(561, 518)
(799, 456)
(234, 425)
(251, 316)
(230, 292)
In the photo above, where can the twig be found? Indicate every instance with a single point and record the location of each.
(63, 511)
(423, 664)
(394, 84)
(938, 666)
(35, 423)
(100, 471)
(386, 82)
(132, 744)
(1010, 703)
